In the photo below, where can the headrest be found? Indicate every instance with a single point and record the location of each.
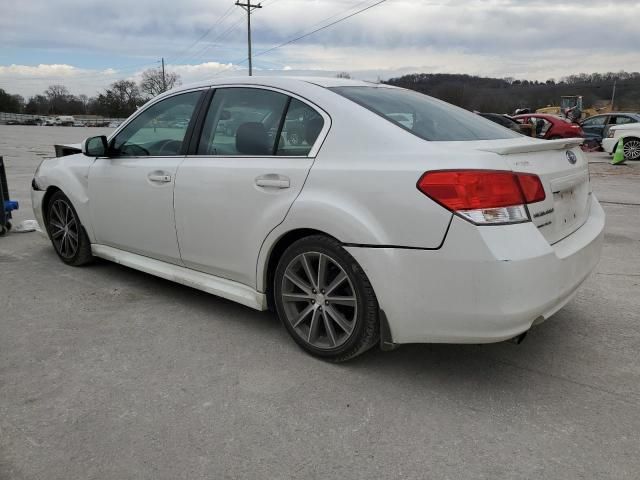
(252, 139)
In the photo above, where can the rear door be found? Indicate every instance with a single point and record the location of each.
(252, 159)
(594, 127)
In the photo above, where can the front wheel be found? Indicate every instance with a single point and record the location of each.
(67, 234)
(325, 300)
(631, 148)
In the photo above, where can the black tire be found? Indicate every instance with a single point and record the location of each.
(365, 324)
(72, 253)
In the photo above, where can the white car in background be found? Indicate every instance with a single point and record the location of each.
(398, 218)
(631, 143)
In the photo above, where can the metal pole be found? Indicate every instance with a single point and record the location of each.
(248, 7)
(613, 94)
(164, 80)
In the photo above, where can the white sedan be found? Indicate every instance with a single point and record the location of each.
(631, 140)
(392, 218)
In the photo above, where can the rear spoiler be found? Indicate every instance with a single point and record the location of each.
(69, 149)
(536, 146)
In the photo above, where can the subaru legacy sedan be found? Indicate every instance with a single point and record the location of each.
(362, 214)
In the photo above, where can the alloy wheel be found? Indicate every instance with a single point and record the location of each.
(319, 300)
(64, 229)
(631, 149)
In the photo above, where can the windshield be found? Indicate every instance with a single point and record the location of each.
(424, 116)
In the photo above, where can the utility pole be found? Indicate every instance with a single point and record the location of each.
(613, 95)
(164, 79)
(249, 8)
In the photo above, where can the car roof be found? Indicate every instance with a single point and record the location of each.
(279, 82)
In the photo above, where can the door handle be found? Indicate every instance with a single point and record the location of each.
(159, 177)
(272, 180)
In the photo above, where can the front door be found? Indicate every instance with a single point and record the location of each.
(253, 157)
(131, 191)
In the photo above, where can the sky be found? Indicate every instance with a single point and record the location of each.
(86, 45)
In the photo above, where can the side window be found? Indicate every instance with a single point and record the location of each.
(301, 128)
(159, 130)
(595, 122)
(620, 120)
(242, 121)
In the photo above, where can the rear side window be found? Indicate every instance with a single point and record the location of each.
(301, 128)
(242, 121)
(424, 116)
(255, 122)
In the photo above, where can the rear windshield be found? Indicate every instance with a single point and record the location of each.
(424, 116)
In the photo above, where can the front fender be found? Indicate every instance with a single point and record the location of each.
(70, 174)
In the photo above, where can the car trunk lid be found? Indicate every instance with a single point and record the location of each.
(564, 172)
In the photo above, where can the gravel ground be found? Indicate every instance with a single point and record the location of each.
(108, 373)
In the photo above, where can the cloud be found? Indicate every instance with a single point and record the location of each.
(90, 44)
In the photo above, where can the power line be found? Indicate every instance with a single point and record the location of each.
(288, 42)
(305, 35)
(200, 54)
(201, 37)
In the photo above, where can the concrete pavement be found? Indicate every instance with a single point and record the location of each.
(108, 373)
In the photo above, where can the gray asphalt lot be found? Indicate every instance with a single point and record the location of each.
(108, 373)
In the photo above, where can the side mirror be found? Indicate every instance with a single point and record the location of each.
(225, 115)
(95, 146)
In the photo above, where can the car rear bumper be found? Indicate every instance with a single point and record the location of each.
(485, 284)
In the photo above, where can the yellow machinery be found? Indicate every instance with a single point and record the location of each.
(571, 108)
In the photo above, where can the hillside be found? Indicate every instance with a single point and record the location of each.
(505, 95)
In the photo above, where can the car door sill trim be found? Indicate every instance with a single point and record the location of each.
(221, 287)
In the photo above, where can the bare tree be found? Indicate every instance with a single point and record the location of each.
(57, 95)
(121, 99)
(343, 75)
(153, 84)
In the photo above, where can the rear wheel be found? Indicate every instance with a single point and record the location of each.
(325, 300)
(67, 234)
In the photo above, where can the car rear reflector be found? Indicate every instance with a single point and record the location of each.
(483, 196)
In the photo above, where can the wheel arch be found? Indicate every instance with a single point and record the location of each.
(269, 265)
(46, 199)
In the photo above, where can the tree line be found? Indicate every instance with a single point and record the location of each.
(505, 95)
(120, 99)
(501, 95)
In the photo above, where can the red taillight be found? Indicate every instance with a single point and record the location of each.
(483, 196)
(532, 188)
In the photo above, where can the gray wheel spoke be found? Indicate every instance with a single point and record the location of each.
(57, 225)
(341, 277)
(320, 305)
(301, 284)
(57, 234)
(329, 327)
(347, 301)
(56, 211)
(313, 328)
(73, 235)
(303, 315)
(307, 270)
(339, 319)
(322, 267)
(296, 297)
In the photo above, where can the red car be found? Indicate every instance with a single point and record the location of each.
(550, 127)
